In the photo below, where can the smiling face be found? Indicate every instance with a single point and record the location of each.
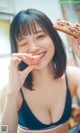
(38, 43)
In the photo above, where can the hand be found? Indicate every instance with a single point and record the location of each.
(76, 46)
(16, 77)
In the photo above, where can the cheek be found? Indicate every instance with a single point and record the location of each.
(50, 48)
(22, 50)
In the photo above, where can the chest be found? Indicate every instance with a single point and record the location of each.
(47, 105)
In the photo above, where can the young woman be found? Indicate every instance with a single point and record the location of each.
(41, 86)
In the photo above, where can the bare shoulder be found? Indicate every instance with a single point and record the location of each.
(73, 74)
(20, 99)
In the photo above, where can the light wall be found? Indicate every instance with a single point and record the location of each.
(50, 7)
(4, 51)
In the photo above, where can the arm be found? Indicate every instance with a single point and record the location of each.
(76, 46)
(16, 80)
(9, 116)
(71, 29)
(74, 80)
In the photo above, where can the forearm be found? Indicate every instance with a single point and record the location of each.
(9, 116)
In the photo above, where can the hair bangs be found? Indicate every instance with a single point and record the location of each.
(28, 27)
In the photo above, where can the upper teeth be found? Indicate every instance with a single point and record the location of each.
(42, 53)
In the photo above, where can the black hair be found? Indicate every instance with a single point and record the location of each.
(24, 24)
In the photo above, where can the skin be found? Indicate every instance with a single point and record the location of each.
(43, 106)
(76, 45)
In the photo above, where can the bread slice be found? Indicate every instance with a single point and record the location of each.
(67, 27)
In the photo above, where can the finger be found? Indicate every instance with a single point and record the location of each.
(77, 24)
(15, 61)
(25, 57)
(22, 55)
(27, 70)
(33, 62)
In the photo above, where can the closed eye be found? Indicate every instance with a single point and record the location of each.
(40, 36)
(23, 44)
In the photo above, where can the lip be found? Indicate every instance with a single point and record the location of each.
(42, 55)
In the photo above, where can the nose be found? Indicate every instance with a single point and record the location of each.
(34, 49)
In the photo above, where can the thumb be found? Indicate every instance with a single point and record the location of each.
(28, 70)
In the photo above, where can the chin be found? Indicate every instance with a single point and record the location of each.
(41, 66)
(44, 63)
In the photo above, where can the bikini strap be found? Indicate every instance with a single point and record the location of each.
(69, 98)
(66, 79)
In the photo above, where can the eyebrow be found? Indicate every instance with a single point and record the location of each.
(21, 39)
(38, 31)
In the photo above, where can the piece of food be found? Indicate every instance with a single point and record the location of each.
(33, 60)
(75, 116)
(67, 27)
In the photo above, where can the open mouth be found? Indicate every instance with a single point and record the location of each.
(41, 54)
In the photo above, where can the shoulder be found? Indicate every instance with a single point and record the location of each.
(73, 75)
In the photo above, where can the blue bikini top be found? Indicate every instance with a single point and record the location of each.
(28, 121)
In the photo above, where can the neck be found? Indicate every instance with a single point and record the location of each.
(43, 76)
